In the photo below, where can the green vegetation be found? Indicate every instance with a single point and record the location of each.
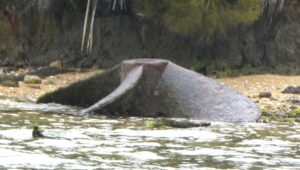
(295, 112)
(289, 119)
(153, 124)
(227, 73)
(264, 110)
(199, 17)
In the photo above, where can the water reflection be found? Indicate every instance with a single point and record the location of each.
(91, 142)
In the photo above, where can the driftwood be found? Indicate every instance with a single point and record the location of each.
(153, 88)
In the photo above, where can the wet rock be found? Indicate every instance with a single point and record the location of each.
(297, 119)
(32, 79)
(56, 64)
(265, 95)
(292, 90)
(37, 133)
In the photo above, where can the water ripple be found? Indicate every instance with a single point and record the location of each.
(96, 142)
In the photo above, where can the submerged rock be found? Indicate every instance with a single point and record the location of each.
(155, 87)
(36, 133)
(176, 123)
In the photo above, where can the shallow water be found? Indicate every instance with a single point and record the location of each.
(94, 142)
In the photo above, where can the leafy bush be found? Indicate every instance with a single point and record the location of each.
(203, 18)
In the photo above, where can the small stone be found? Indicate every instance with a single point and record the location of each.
(265, 94)
(294, 101)
(267, 113)
(279, 116)
(293, 107)
(274, 99)
(10, 83)
(297, 119)
(265, 121)
(56, 64)
(32, 79)
(40, 68)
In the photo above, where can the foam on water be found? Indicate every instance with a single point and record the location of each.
(93, 142)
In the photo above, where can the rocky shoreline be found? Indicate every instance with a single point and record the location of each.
(28, 84)
(265, 90)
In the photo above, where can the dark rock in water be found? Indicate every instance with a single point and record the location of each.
(36, 133)
(292, 89)
(155, 87)
(265, 94)
(185, 123)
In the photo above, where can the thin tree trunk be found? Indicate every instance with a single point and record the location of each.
(85, 23)
(90, 40)
(114, 5)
